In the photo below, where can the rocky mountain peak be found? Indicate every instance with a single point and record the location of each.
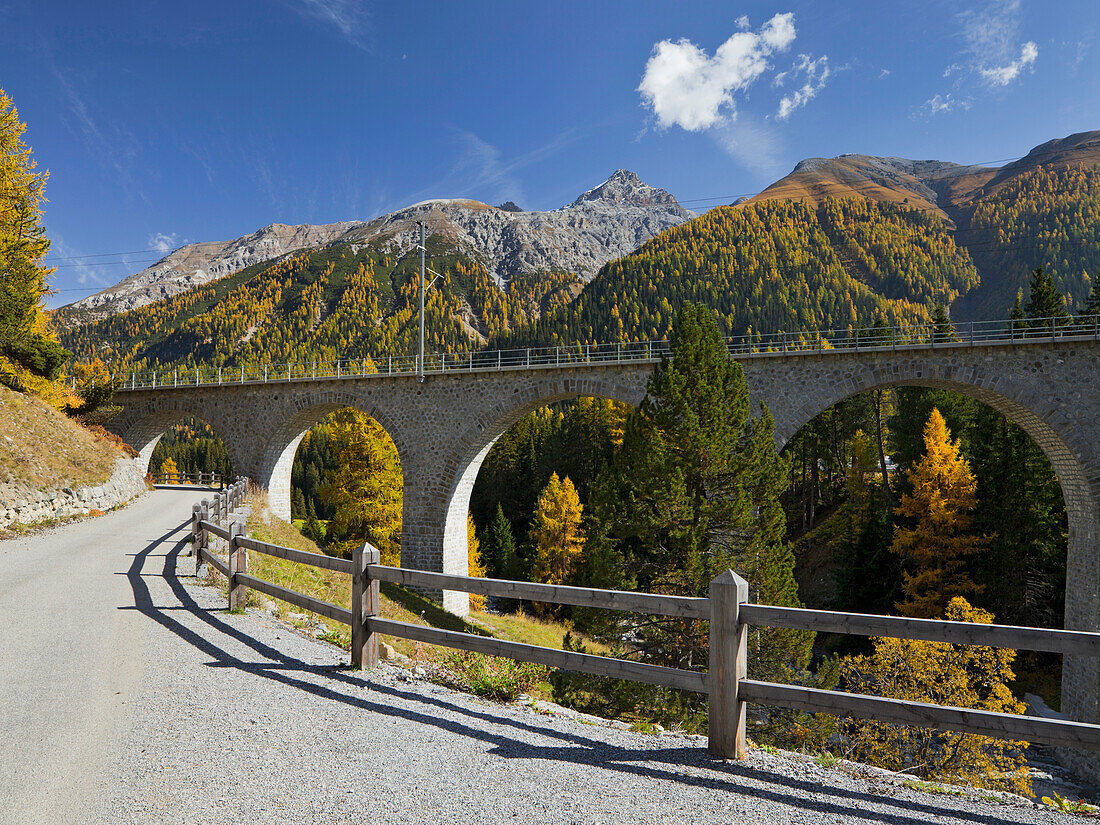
(624, 188)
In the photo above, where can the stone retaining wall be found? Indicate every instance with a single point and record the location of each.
(24, 505)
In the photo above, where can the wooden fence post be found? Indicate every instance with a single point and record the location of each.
(364, 605)
(238, 563)
(196, 516)
(204, 536)
(728, 666)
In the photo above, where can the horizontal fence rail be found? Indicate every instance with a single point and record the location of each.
(1069, 642)
(901, 336)
(211, 479)
(726, 610)
(564, 659)
(676, 606)
(922, 714)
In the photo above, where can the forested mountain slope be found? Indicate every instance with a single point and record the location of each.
(345, 301)
(604, 222)
(904, 236)
(1040, 210)
(779, 265)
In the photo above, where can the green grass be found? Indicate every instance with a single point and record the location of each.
(397, 603)
(520, 627)
(932, 787)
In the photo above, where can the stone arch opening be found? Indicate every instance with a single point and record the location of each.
(1056, 438)
(467, 458)
(145, 433)
(276, 466)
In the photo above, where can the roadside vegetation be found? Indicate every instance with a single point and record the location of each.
(43, 448)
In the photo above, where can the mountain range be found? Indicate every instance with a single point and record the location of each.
(846, 241)
(606, 222)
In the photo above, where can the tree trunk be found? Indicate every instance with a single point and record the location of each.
(881, 449)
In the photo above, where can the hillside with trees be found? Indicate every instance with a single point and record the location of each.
(768, 267)
(347, 301)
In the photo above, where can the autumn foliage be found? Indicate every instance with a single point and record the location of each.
(963, 676)
(939, 508)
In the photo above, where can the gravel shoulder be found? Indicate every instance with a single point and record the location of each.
(168, 709)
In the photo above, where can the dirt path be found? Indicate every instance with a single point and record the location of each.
(129, 695)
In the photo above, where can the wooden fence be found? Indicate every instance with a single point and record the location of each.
(210, 479)
(727, 610)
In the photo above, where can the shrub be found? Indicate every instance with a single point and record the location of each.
(490, 676)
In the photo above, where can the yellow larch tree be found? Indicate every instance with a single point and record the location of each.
(962, 676)
(556, 532)
(168, 467)
(940, 507)
(30, 357)
(474, 565)
(365, 488)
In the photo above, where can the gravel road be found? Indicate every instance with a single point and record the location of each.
(129, 695)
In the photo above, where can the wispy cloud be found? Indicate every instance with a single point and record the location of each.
(1003, 75)
(939, 104)
(993, 47)
(480, 169)
(164, 243)
(993, 56)
(349, 17)
(815, 74)
(685, 87)
(106, 150)
(755, 144)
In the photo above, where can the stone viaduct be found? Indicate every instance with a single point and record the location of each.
(444, 427)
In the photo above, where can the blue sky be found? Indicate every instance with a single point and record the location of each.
(163, 123)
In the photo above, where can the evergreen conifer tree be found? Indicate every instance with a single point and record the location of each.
(1045, 305)
(694, 491)
(1089, 313)
(498, 547)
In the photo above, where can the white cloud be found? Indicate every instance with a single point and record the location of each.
(816, 73)
(348, 16)
(686, 88)
(992, 36)
(164, 243)
(743, 22)
(939, 104)
(1003, 75)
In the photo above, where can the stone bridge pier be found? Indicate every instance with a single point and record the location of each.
(444, 427)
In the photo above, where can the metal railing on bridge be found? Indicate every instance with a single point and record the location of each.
(894, 337)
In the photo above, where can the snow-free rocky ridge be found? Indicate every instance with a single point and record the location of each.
(606, 222)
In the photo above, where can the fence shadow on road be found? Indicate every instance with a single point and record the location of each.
(345, 686)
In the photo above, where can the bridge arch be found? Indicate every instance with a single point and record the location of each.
(276, 461)
(144, 427)
(1054, 424)
(468, 454)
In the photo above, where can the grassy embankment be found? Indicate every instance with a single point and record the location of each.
(397, 603)
(43, 448)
